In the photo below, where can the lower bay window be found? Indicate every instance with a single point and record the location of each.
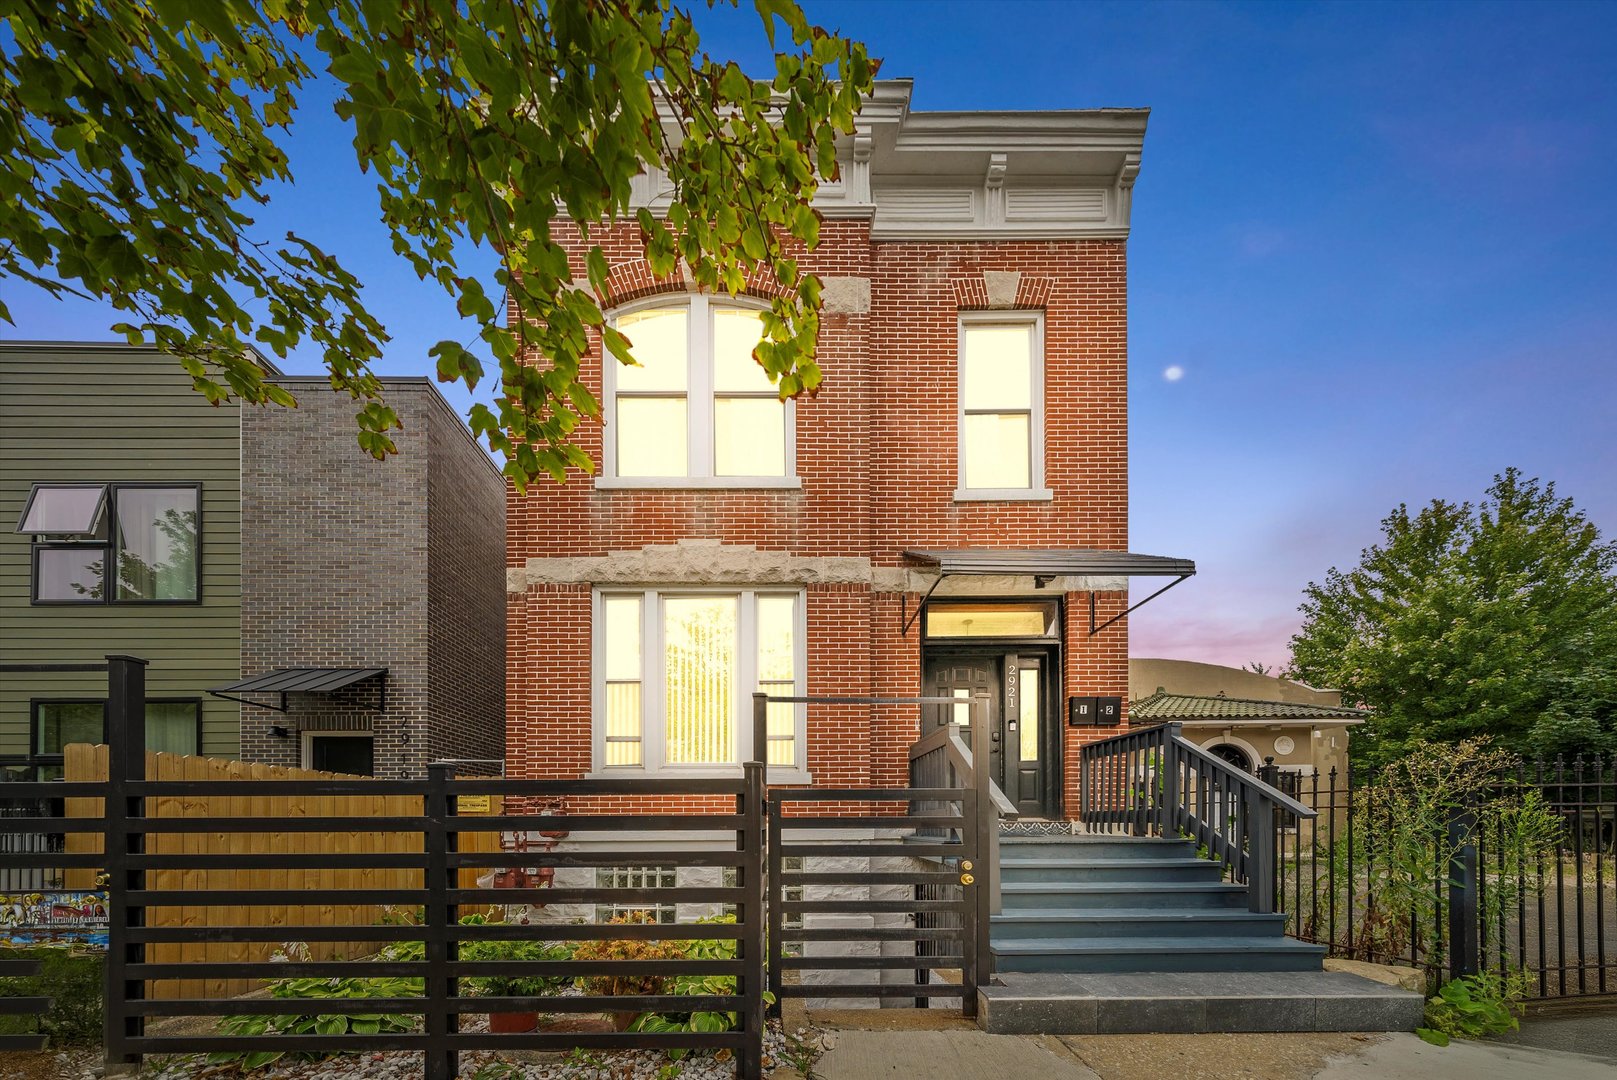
(674, 674)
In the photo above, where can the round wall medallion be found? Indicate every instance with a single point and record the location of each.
(1284, 745)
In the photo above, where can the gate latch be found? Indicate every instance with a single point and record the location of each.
(966, 879)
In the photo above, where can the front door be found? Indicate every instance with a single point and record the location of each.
(1022, 732)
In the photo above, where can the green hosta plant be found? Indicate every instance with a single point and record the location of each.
(1474, 1006)
(706, 1022)
(316, 1023)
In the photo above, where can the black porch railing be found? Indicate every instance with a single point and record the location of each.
(1154, 781)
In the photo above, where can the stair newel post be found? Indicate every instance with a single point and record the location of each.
(1260, 850)
(1168, 766)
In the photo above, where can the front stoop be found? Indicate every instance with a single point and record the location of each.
(1028, 1003)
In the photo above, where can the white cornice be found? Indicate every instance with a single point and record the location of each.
(997, 175)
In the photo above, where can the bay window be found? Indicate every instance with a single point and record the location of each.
(675, 671)
(1001, 396)
(697, 410)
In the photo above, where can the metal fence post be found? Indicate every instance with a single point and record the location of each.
(750, 1062)
(1464, 924)
(442, 948)
(123, 837)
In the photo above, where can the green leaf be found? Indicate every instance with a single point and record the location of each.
(1436, 1038)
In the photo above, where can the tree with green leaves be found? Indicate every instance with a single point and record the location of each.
(1498, 620)
(137, 136)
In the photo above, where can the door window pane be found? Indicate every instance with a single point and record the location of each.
(653, 439)
(349, 754)
(70, 573)
(699, 639)
(660, 341)
(1027, 720)
(749, 436)
(997, 368)
(64, 510)
(157, 543)
(997, 450)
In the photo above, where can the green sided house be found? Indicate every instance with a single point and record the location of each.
(275, 577)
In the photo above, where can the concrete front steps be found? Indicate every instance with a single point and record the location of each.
(1151, 1003)
(1126, 905)
(1115, 934)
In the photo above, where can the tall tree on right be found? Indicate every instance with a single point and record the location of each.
(1498, 619)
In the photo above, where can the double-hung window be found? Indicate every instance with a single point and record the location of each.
(675, 671)
(114, 543)
(1001, 421)
(697, 410)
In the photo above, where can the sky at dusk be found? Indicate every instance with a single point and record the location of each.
(1373, 261)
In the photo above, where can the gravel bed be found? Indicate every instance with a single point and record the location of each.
(781, 1050)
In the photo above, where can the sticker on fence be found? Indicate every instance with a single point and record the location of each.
(53, 918)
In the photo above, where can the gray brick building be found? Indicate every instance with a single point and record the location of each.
(364, 564)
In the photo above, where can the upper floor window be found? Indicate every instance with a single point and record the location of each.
(698, 410)
(1001, 420)
(114, 543)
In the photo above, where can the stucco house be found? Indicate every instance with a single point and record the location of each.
(1246, 718)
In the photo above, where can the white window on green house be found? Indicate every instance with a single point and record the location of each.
(675, 671)
(696, 410)
(634, 880)
(1001, 394)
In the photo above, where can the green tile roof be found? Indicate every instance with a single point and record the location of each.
(1164, 706)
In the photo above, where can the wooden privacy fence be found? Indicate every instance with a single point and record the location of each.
(239, 852)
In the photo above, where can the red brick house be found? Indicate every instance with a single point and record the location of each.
(949, 515)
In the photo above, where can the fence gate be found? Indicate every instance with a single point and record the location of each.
(903, 925)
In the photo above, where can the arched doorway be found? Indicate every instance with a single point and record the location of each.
(1232, 754)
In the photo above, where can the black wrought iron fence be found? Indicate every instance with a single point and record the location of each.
(1517, 877)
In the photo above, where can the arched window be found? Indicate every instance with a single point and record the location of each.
(698, 411)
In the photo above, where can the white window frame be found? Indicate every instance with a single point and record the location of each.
(653, 688)
(1036, 491)
(699, 404)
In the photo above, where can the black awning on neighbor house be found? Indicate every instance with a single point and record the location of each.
(301, 680)
(1046, 564)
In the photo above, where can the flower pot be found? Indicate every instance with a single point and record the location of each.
(510, 1022)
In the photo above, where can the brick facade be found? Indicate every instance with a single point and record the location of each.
(876, 452)
(351, 562)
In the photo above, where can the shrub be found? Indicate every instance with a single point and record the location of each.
(1474, 1006)
(609, 949)
(705, 1022)
(487, 950)
(73, 982)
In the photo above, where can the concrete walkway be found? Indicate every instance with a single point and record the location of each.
(963, 1053)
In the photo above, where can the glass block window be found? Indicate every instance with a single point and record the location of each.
(634, 880)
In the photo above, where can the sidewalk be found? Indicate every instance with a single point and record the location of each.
(941, 1047)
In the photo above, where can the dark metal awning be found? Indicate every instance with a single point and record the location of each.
(301, 680)
(1046, 564)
